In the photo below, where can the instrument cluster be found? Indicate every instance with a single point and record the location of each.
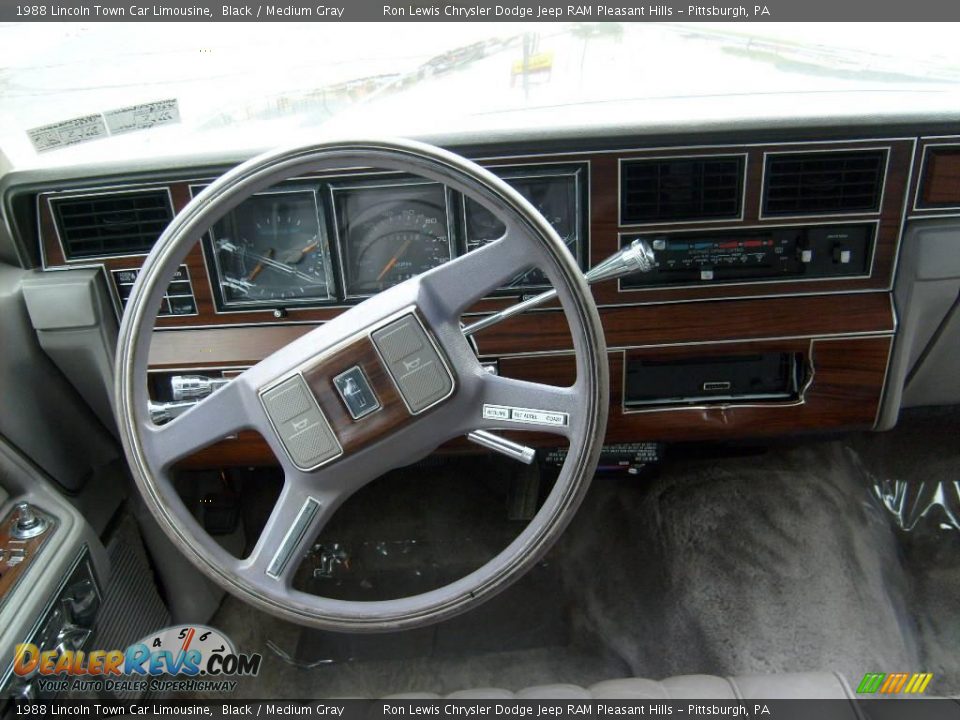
(336, 242)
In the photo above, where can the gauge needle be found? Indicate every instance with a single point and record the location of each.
(296, 255)
(259, 266)
(393, 260)
(303, 251)
(266, 261)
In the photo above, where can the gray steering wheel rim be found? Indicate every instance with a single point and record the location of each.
(590, 390)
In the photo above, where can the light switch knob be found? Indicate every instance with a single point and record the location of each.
(27, 523)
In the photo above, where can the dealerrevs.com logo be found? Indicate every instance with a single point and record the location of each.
(176, 659)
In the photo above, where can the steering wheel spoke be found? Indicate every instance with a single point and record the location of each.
(510, 404)
(300, 513)
(219, 415)
(458, 284)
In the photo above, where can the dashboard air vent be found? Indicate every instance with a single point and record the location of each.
(823, 182)
(680, 189)
(116, 223)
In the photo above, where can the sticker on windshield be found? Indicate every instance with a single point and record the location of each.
(142, 117)
(525, 415)
(68, 132)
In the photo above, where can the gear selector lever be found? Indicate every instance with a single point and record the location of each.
(637, 257)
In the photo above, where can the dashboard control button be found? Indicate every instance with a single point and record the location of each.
(182, 306)
(180, 288)
(126, 277)
(356, 392)
(177, 300)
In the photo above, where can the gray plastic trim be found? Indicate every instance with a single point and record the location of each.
(923, 369)
(73, 316)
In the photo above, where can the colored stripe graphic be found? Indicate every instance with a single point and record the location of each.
(901, 681)
(894, 683)
(914, 682)
(870, 683)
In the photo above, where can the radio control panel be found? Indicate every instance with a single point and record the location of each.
(791, 253)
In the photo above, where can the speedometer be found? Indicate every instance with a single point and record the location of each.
(390, 234)
(272, 251)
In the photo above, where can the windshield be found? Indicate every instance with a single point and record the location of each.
(186, 87)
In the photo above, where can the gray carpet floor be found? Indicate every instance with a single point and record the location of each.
(251, 630)
(776, 562)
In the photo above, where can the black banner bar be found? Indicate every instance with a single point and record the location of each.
(477, 11)
(571, 709)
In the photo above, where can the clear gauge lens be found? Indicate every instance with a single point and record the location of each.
(390, 234)
(555, 196)
(272, 251)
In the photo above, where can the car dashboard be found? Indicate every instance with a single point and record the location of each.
(770, 310)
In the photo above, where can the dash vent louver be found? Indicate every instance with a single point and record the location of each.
(115, 223)
(824, 182)
(681, 189)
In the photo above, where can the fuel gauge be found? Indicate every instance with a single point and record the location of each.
(272, 251)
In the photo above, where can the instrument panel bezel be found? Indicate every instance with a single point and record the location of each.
(215, 273)
(324, 190)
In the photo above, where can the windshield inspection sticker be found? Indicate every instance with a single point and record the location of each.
(113, 122)
(142, 117)
(68, 132)
(525, 415)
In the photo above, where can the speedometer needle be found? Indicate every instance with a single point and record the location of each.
(393, 260)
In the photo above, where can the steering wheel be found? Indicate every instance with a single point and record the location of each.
(378, 387)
